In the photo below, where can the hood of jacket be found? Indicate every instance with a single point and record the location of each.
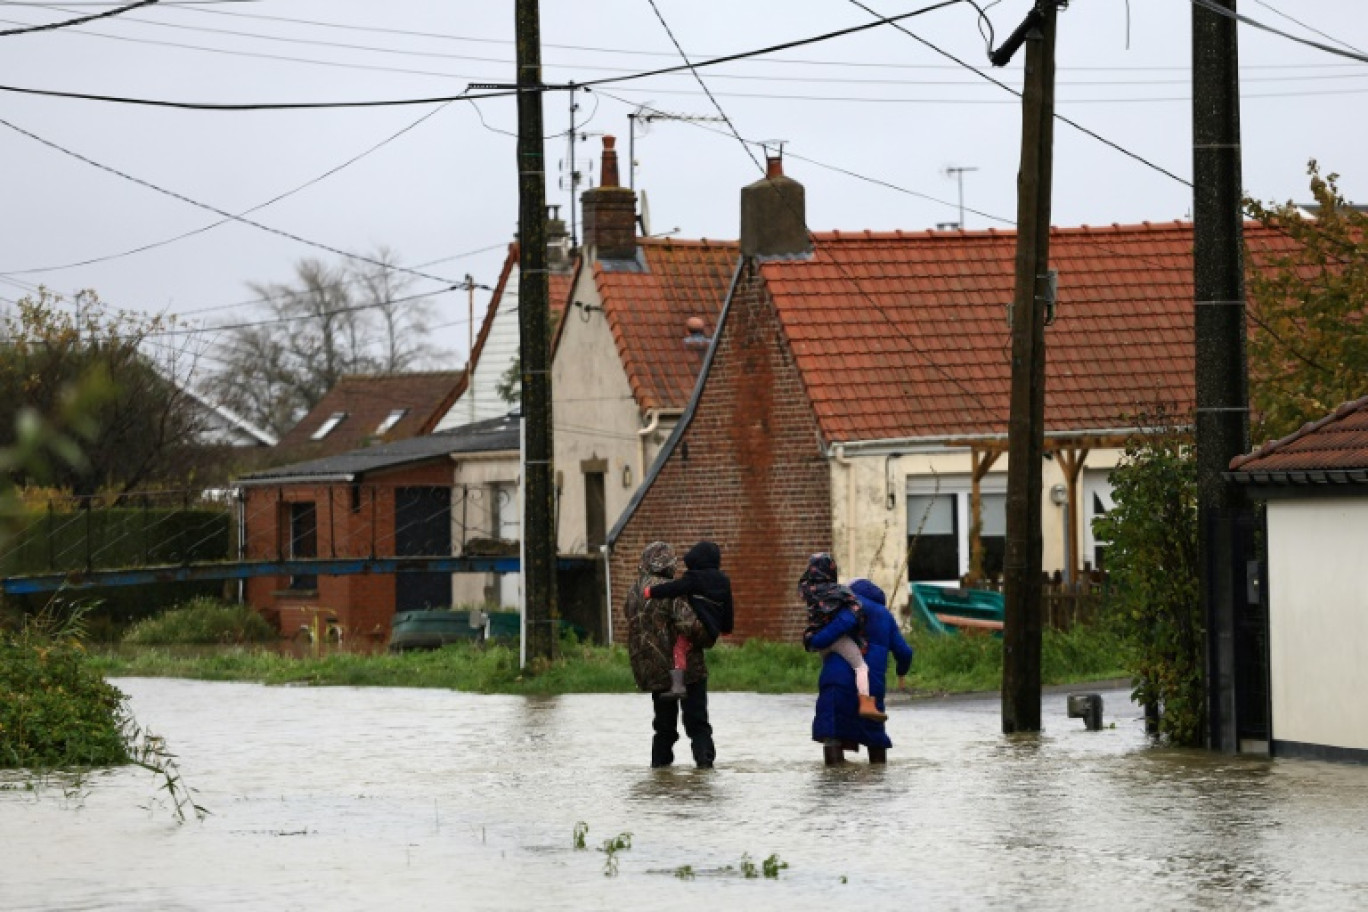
(868, 593)
(704, 556)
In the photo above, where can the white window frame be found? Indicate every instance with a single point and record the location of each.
(1095, 482)
(328, 426)
(960, 487)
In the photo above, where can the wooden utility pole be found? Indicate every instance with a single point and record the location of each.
(1026, 425)
(1222, 375)
(538, 535)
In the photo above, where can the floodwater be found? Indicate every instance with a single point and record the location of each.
(379, 799)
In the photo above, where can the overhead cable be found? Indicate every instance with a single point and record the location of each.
(272, 201)
(228, 215)
(51, 26)
(1212, 7)
(467, 96)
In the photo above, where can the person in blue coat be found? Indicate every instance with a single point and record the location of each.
(837, 723)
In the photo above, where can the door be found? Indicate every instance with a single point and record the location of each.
(422, 528)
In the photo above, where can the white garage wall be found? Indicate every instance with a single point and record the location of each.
(1318, 621)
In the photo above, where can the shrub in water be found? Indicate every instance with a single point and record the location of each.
(55, 710)
(202, 622)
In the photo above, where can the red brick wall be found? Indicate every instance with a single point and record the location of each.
(755, 478)
(362, 603)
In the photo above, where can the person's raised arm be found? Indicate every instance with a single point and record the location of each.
(678, 588)
(843, 624)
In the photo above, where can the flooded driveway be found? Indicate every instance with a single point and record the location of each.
(382, 799)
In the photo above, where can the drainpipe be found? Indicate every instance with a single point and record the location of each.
(608, 595)
(655, 415)
(240, 502)
(839, 453)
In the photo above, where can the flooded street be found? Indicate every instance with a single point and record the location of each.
(380, 799)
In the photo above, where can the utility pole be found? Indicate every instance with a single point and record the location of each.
(1222, 377)
(1026, 425)
(539, 545)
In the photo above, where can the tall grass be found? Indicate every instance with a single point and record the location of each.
(202, 621)
(942, 665)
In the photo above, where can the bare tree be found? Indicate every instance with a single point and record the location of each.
(330, 321)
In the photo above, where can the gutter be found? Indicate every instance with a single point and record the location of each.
(277, 480)
(655, 414)
(946, 442)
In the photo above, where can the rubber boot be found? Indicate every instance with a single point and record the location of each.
(870, 710)
(677, 690)
(832, 754)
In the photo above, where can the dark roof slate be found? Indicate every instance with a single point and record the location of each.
(492, 435)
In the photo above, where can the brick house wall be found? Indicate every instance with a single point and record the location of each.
(748, 472)
(353, 521)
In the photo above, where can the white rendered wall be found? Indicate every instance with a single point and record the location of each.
(480, 401)
(1318, 621)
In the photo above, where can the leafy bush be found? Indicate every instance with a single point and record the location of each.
(203, 621)
(1153, 562)
(55, 709)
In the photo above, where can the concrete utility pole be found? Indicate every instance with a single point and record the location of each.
(1026, 425)
(539, 545)
(1222, 376)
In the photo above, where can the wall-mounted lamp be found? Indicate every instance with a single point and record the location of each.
(1059, 495)
(627, 475)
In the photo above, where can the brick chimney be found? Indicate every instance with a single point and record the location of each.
(609, 212)
(774, 215)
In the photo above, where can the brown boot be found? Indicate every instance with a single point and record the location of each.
(870, 710)
(677, 689)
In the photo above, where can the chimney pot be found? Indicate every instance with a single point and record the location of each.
(609, 175)
(774, 166)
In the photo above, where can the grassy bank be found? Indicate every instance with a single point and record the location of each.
(942, 665)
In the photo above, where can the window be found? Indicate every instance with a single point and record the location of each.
(391, 420)
(327, 427)
(1097, 503)
(303, 541)
(938, 524)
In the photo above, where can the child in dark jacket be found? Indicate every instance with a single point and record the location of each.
(709, 593)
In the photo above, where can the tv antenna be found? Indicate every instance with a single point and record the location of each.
(645, 115)
(958, 172)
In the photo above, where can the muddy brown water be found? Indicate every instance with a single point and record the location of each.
(379, 799)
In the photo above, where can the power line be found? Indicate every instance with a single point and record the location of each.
(466, 96)
(118, 11)
(1212, 7)
(228, 215)
(1002, 85)
(852, 279)
(288, 193)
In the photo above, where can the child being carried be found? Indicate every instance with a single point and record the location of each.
(826, 599)
(708, 591)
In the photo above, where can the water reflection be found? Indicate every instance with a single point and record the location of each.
(342, 798)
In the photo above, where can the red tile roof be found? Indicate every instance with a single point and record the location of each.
(647, 310)
(366, 400)
(905, 335)
(1338, 442)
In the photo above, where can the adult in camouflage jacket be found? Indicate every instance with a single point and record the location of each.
(652, 626)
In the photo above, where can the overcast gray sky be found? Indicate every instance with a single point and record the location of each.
(871, 124)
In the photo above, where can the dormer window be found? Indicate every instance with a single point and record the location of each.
(328, 426)
(391, 420)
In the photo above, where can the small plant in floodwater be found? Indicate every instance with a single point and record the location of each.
(610, 848)
(684, 872)
(748, 868)
(771, 866)
(581, 831)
